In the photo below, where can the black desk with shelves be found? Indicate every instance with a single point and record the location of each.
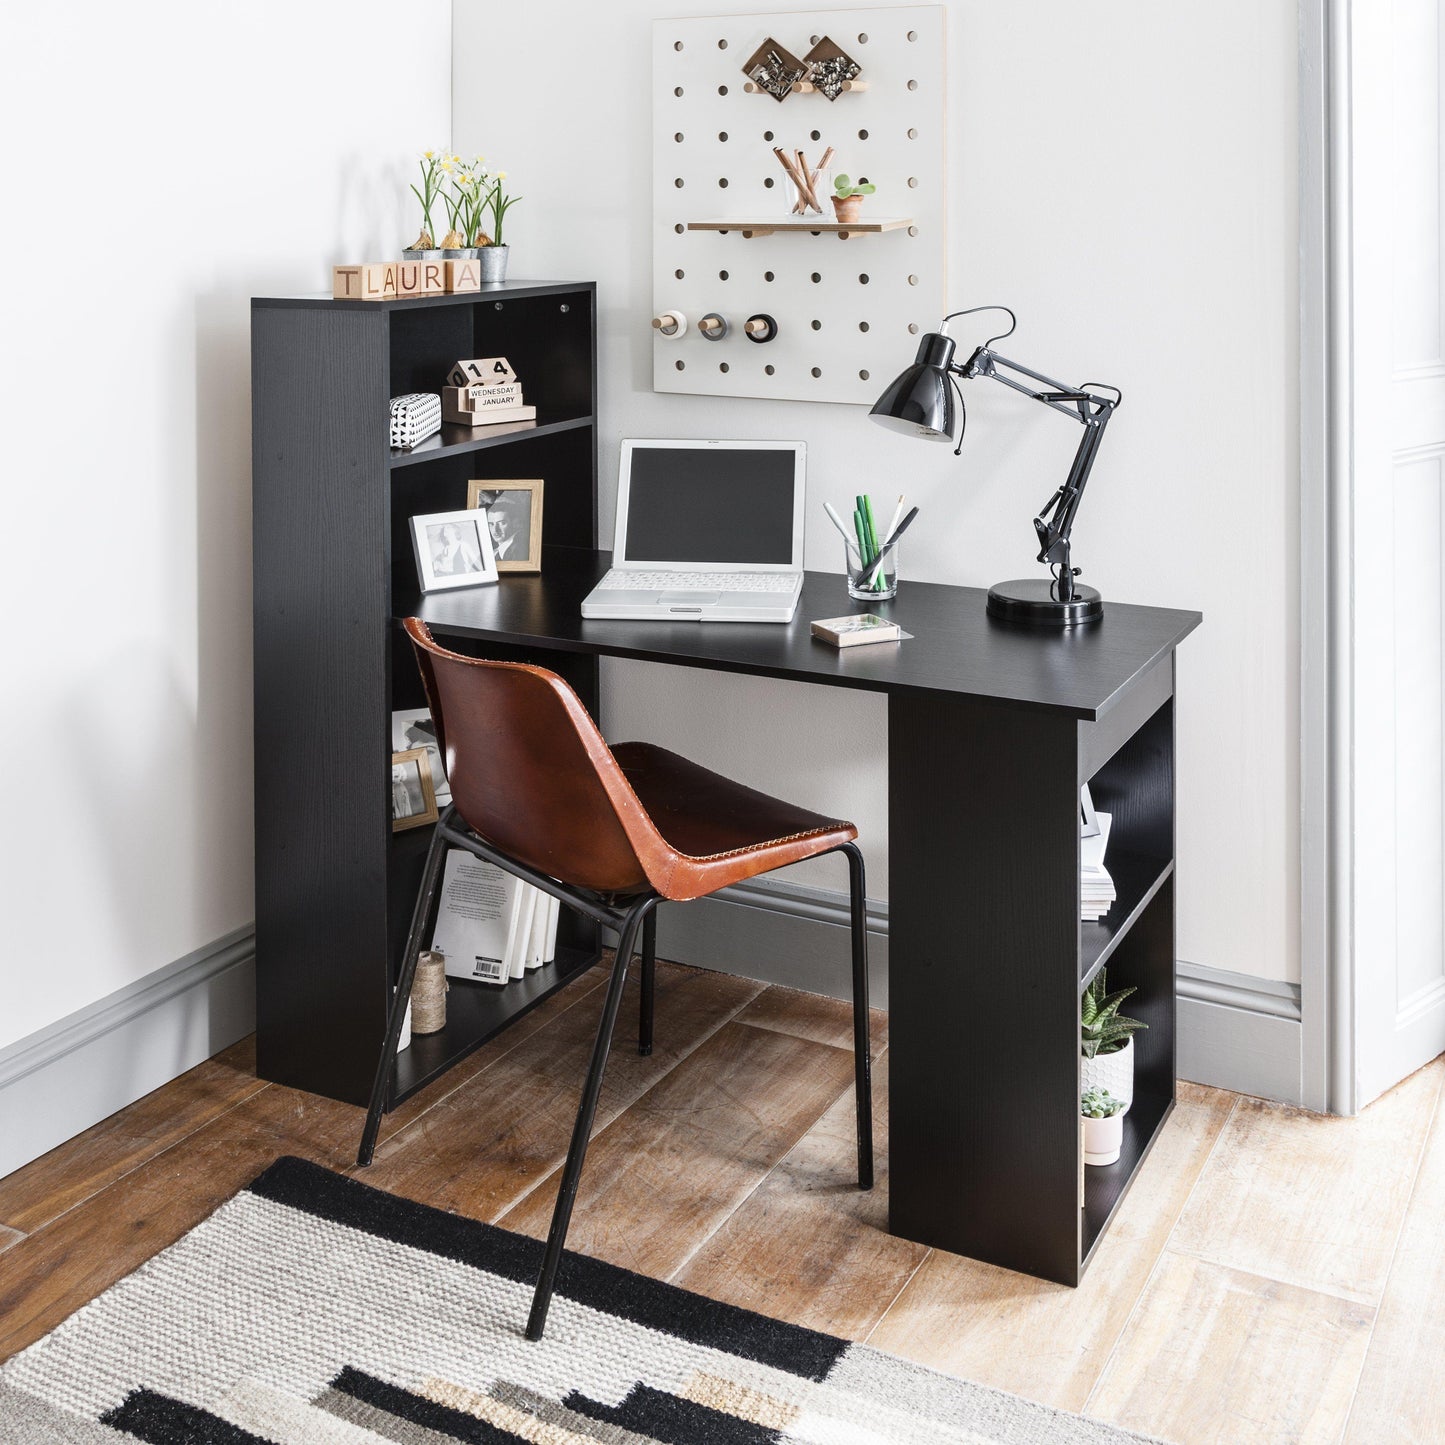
(991, 731)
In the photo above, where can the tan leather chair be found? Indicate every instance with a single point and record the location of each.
(611, 832)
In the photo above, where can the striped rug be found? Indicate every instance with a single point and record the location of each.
(316, 1310)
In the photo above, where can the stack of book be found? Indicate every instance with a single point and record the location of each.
(1096, 888)
(492, 927)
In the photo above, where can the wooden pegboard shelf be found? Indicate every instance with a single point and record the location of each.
(816, 224)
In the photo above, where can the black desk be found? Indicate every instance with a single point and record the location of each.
(991, 731)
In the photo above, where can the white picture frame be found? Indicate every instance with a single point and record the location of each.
(452, 549)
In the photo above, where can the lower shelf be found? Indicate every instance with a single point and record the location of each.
(477, 1012)
(1105, 1185)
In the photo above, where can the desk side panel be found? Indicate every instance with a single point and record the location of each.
(322, 730)
(983, 985)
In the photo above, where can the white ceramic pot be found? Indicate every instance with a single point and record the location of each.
(1103, 1139)
(1114, 1072)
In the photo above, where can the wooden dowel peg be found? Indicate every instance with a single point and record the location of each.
(670, 323)
(760, 328)
(713, 326)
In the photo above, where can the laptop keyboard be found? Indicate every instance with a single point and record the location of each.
(628, 580)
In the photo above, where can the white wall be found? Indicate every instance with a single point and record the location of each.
(164, 162)
(1124, 176)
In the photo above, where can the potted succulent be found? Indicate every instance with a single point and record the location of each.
(1106, 1039)
(491, 248)
(433, 170)
(1103, 1120)
(848, 197)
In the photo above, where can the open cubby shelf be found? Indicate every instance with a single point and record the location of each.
(332, 502)
(1136, 880)
(1106, 1184)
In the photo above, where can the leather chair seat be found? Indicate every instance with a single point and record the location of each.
(719, 831)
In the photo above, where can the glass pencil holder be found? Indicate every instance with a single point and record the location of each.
(870, 581)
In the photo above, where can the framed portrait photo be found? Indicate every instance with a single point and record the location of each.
(413, 800)
(453, 549)
(514, 521)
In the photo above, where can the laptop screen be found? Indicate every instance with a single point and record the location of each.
(715, 505)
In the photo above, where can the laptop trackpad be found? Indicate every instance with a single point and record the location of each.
(689, 600)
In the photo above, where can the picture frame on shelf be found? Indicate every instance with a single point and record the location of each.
(514, 521)
(413, 728)
(453, 549)
(413, 799)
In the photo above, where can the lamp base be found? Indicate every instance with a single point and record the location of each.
(1032, 600)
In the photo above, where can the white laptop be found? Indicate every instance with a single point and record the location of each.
(707, 531)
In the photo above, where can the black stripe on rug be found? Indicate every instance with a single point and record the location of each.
(160, 1420)
(418, 1410)
(591, 1282)
(655, 1413)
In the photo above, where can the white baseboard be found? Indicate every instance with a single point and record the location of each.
(1234, 1031)
(84, 1067)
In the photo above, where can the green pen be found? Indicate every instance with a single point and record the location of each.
(872, 538)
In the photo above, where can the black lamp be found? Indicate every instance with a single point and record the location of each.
(920, 403)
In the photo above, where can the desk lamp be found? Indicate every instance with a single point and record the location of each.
(920, 403)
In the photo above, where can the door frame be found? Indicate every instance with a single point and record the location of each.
(1326, 495)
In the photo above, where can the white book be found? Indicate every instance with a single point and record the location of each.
(519, 935)
(537, 942)
(1091, 849)
(554, 913)
(475, 917)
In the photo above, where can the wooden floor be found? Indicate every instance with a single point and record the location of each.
(1273, 1276)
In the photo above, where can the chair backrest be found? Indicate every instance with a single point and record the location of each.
(531, 774)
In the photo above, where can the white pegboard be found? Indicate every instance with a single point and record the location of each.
(840, 337)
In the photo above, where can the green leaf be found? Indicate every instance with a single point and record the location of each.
(866, 189)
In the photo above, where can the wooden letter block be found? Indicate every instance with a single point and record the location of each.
(408, 278)
(463, 275)
(433, 281)
(488, 370)
(363, 283)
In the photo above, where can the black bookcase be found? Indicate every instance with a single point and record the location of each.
(333, 563)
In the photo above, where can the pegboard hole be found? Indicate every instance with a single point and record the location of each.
(677, 136)
(817, 325)
(816, 278)
(677, 45)
(913, 85)
(913, 230)
(768, 370)
(767, 275)
(680, 365)
(722, 45)
(722, 275)
(678, 273)
(768, 182)
(767, 135)
(816, 135)
(722, 90)
(862, 40)
(722, 135)
(680, 228)
(912, 183)
(913, 35)
(862, 326)
(912, 133)
(862, 135)
(913, 280)
(913, 328)
(812, 40)
(817, 371)
(862, 376)
(677, 90)
(723, 182)
(722, 366)
(862, 278)
(678, 182)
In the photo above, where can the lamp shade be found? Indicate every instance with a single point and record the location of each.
(919, 401)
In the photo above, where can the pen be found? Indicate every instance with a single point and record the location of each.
(837, 521)
(893, 521)
(889, 545)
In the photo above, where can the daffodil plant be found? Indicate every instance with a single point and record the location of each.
(432, 175)
(498, 203)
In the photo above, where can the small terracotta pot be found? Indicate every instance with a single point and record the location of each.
(848, 209)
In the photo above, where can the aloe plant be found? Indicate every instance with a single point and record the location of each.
(1103, 1029)
(1100, 1104)
(845, 187)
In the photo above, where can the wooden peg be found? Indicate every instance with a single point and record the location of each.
(713, 326)
(670, 323)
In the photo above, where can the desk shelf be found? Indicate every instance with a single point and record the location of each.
(813, 225)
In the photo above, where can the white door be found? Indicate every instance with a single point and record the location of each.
(1398, 521)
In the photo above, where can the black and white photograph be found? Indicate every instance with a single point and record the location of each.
(413, 728)
(453, 549)
(413, 800)
(514, 521)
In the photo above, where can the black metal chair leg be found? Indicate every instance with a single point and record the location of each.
(586, 1112)
(431, 876)
(649, 983)
(862, 1049)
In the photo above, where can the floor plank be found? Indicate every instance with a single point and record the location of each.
(487, 1144)
(808, 1244)
(39, 1191)
(811, 1016)
(1044, 1340)
(9, 1237)
(1215, 1356)
(49, 1273)
(1312, 1200)
(1401, 1395)
(660, 1179)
